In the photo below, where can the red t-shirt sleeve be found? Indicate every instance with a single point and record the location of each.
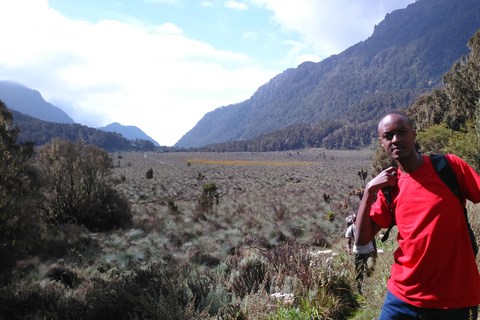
(380, 212)
(468, 179)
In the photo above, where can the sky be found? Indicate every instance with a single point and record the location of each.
(161, 65)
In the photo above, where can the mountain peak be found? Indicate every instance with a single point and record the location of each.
(407, 55)
(28, 101)
(129, 132)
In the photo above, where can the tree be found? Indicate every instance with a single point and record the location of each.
(20, 222)
(449, 116)
(77, 186)
(434, 139)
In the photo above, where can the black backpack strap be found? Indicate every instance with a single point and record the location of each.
(388, 200)
(446, 173)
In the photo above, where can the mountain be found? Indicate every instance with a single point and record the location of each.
(41, 132)
(406, 56)
(31, 102)
(129, 132)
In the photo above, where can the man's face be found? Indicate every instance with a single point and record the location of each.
(397, 136)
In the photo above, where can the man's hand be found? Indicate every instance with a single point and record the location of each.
(386, 178)
(367, 229)
(349, 245)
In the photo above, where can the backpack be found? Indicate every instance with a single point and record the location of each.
(447, 175)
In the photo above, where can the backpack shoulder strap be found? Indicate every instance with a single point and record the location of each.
(388, 200)
(448, 176)
(446, 173)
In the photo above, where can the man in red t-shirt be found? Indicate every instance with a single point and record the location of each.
(435, 275)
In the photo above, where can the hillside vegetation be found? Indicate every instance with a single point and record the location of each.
(455, 105)
(42, 132)
(406, 55)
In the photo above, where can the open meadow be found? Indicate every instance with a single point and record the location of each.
(263, 198)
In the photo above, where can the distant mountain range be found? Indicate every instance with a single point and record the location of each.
(41, 132)
(129, 132)
(30, 102)
(25, 100)
(406, 56)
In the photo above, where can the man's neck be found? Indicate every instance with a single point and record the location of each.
(410, 164)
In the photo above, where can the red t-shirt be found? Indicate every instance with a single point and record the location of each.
(434, 264)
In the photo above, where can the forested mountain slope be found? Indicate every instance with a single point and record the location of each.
(41, 132)
(406, 55)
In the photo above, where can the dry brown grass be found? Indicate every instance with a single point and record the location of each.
(265, 198)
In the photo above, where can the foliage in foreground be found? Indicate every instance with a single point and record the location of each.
(250, 285)
(20, 227)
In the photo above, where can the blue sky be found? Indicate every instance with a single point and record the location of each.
(162, 64)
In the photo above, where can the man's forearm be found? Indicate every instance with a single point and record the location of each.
(366, 228)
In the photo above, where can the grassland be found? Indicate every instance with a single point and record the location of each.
(264, 197)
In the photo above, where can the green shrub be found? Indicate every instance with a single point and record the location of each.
(21, 225)
(77, 186)
(172, 207)
(466, 145)
(209, 198)
(434, 139)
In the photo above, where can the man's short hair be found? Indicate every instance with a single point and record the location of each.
(398, 112)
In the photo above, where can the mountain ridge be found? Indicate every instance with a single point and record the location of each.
(31, 102)
(406, 52)
(129, 132)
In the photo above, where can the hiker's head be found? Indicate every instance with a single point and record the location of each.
(351, 218)
(396, 134)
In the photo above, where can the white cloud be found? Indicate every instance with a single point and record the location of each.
(250, 35)
(152, 77)
(329, 27)
(206, 4)
(235, 5)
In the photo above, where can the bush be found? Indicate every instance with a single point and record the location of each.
(105, 210)
(20, 221)
(149, 174)
(209, 197)
(65, 276)
(154, 293)
(249, 275)
(434, 139)
(77, 186)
